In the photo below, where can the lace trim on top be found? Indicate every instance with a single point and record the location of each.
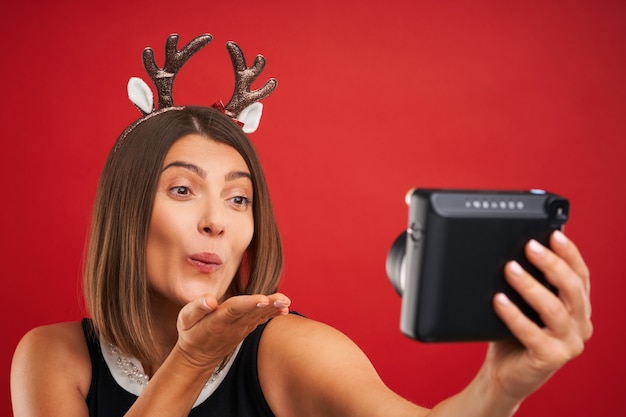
(131, 384)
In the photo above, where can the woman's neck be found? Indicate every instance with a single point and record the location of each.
(164, 317)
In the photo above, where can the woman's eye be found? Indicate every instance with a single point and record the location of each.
(180, 190)
(241, 201)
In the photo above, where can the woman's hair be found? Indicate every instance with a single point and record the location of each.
(117, 291)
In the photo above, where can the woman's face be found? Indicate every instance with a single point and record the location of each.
(201, 222)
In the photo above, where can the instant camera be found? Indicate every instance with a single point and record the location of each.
(449, 262)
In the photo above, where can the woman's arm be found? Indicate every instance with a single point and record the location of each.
(206, 334)
(309, 369)
(51, 372)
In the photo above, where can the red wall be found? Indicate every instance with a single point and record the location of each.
(373, 98)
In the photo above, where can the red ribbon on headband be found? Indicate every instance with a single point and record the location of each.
(219, 105)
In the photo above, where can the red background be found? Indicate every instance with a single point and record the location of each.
(373, 98)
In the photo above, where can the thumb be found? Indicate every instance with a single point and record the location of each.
(193, 312)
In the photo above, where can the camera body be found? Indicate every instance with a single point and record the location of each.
(449, 263)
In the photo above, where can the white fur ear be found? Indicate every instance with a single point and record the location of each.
(251, 117)
(140, 94)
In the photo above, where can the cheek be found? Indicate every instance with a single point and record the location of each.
(161, 235)
(153, 249)
(244, 233)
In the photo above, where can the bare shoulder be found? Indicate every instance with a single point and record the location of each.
(297, 335)
(308, 368)
(54, 342)
(51, 364)
(57, 332)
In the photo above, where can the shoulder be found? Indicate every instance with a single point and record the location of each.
(65, 340)
(47, 359)
(293, 338)
(295, 334)
(309, 368)
(56, 332)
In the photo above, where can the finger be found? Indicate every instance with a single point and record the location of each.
(559, 273)
(239, 306)
(280, 302)
(571, 287)
(548, 353)
(567, 250)
(255, 308)
(194, 311)
(525, 330)
(549, 307)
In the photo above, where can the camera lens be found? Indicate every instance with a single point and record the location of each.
(395, 263)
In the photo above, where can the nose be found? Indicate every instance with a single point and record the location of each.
(212, 222)
(213, 229)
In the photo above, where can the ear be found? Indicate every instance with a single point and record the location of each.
(141, 95)
(251, 117)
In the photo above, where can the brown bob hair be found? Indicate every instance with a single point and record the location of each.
(116, 287)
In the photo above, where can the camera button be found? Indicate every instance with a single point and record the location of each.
(415, 232)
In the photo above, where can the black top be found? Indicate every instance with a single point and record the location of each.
(239, 394)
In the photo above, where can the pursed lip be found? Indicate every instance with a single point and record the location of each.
(205, 262)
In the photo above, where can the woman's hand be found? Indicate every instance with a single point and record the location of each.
(518, 369)
(208, 332)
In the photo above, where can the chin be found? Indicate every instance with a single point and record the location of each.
(196, 291)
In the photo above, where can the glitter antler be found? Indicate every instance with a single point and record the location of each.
(163, 78)
(243, 107)
(244, 77)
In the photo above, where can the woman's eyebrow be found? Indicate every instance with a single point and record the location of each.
(191, 167)
(238, 174)
(231, 176)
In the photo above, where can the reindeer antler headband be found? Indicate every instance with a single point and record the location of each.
(243, 106)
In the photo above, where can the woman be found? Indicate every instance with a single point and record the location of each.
(181, 279)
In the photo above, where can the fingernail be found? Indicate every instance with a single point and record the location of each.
(502, 299)
(559, 237)
(280, 304)
(536, 247)
(515, 268)
(263, 304)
